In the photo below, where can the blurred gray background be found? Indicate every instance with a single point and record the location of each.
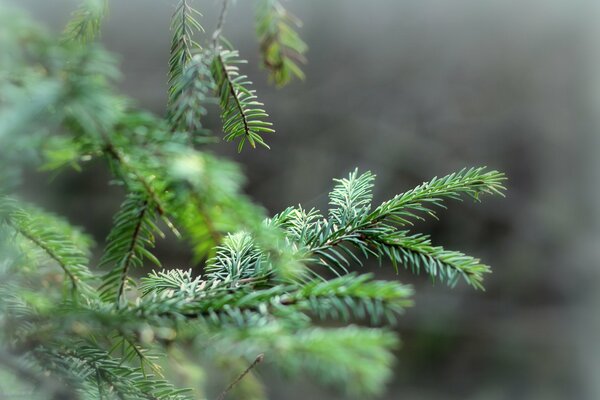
(413, 89)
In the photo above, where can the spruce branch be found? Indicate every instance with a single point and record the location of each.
(254, 294)
(351, 197)
(127, 245)
(208, 200)
(242, 117)
(411, 204)
(416, 252)
(281, 48)
(352, 226)
(125, 169)
(61, 242)
(128, 349)
(358, 360)
(129, 169)
(54, 390)
(86, 21)
(189, 101)
(96, 366)
(177, 293)
(237, 258)
(353, 295)
(184, 25)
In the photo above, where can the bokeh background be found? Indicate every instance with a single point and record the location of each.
(410, 90)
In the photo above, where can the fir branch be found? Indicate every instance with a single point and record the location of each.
(353, 295)
(133, 232)
(242, 117)
(126, 168)
(129, 350)
(86, 21)
(281, 47)
(255, 295)
(409, 205)
(49, 387)
(351, 226)
(176, 293)
(417, 252)
(158, 282)
(237, 258)
(351, 197)
(191, 95)
(183, 26)
(55, 237)
(198, 222)
(357, 360)
(97, 366)
(208, 200)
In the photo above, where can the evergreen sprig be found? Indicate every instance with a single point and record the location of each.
(177, 293)
(84, 26)
(413, 203)
(355, 295)
(184, 25)
(237, 258)
(356, 359)
(59, 241)
(281, 48)
(192, 93)
(241, 112)
(128, 245)
(95, 374)
(352, 226)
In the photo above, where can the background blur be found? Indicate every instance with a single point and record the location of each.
(410, 90)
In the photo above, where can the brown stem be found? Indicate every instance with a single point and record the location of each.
(256, 361)
(220, 23)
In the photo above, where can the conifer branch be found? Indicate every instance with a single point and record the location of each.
(129, 169)
(358, 360)
(183, 26)
(281, 47)
(86, 21)
(176, 293)
(237, 258)
(54, 237)
(193, 93)
(98, 366)
(127, 244)
(353, 295)
(125, 168)
(49, 251)
(54, 390)
(409, 205)
(186, 79)
(416, 252)
(129, 350)
(351, 225)
(242, 117)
